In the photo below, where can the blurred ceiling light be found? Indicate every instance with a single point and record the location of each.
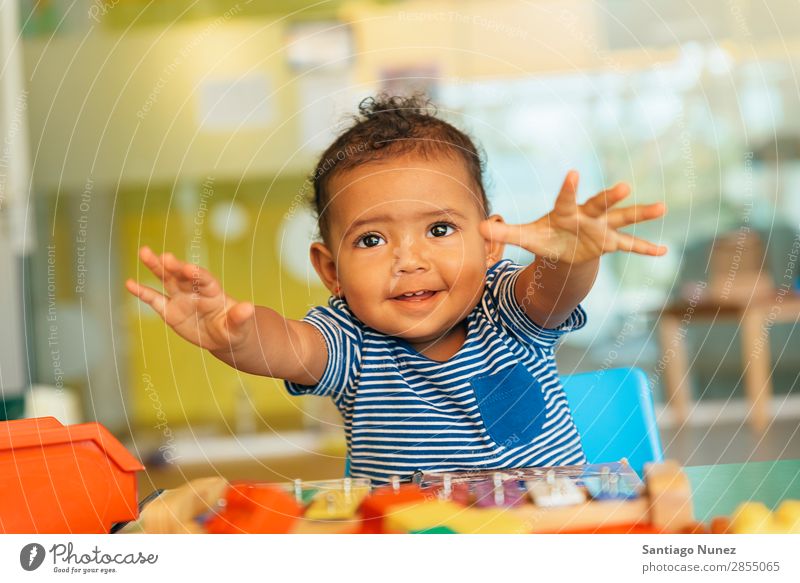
(229, 221)
(321, 44)
(719, 61)
(235, 103)
(293, 239)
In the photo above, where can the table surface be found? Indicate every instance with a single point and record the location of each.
(711, 308)
(717, 490)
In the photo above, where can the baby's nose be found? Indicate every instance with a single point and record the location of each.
(409, 256)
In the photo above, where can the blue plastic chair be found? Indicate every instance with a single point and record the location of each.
(614, 414)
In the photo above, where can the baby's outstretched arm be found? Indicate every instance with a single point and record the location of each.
(254, 339)
(568, 243)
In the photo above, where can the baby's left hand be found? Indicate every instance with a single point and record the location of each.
(573, 233)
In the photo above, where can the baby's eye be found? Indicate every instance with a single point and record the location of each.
(369, 240)
(442, 229)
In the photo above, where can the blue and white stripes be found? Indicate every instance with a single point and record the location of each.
(496, 403)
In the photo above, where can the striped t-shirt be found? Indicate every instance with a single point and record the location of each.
(496, 403)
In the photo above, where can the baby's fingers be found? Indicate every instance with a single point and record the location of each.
(638, 213)
(167, 268)
(148, 295)
(176, 268)
(633, 244)
(153, 262)
(200, 281)
(566, 201)
(604, 200)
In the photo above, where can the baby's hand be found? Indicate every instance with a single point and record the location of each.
(194, 305)
(573, 233)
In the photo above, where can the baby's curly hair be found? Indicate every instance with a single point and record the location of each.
(391, 126)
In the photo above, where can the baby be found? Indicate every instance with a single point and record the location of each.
(438, 353)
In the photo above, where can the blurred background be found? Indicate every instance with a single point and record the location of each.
(192, 126)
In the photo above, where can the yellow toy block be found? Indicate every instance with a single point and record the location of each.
(752, 518)
(488, 521)
(420, 516)
(337, 503)
(755, 518)
(416, 516)
(788, 515)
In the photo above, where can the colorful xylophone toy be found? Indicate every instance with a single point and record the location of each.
(600, 498)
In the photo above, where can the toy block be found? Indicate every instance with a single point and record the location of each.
(177, 511)
(669, 495)
(255, 509)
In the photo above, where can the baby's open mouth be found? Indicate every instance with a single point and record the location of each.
(416, 296)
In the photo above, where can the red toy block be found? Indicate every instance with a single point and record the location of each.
(255, 509)
(376, 505)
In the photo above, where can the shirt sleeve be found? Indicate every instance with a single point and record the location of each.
(502, 308)
(342, 335)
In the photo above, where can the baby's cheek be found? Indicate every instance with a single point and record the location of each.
(468, 283)
(459, 258)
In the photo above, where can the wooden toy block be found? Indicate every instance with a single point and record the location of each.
(588, 516)
(669, 495)
(176, 511)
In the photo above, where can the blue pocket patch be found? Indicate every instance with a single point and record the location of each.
(511, 404)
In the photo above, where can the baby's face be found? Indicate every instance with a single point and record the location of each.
(404, 238)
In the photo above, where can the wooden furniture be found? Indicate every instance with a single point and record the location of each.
(739, 287)
(755, 317)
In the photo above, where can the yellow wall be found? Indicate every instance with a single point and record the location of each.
(85, 94)
(167, 372)
(93, 113)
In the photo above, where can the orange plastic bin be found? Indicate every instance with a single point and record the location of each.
(64, 479)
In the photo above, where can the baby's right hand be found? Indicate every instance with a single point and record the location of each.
(195, 305)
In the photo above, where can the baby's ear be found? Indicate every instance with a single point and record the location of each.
(322, 260)
(494, 248)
